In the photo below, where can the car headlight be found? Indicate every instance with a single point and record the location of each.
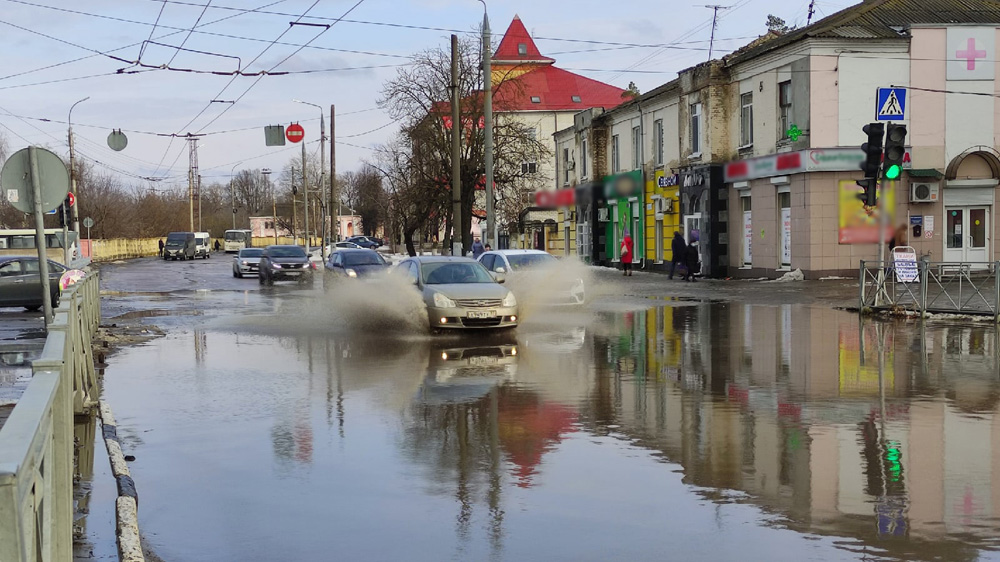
(352, 273)
(509, 300)
(442, 301)
(245, 263)
(276, 265)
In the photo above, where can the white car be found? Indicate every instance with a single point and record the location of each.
(511, 261)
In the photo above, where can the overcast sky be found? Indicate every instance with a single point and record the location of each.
(59, 51)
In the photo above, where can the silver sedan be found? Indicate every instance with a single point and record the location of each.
(459, 293)
(247, 262)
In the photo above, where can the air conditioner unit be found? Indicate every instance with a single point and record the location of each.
(924, 192)
(664, 205)
(602, 215)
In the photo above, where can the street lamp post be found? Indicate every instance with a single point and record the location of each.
(74, 210)
(232, 192)
(274, 203)
(322, 171)
(489, 237)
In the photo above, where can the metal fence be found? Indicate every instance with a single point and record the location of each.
(36, 442)
(939, 287)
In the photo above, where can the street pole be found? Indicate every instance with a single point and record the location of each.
(490, 234)
(334, 196)
(232, 192)
(295, 217)
(43, 262)
(305, 193)
(324, 200)
(456, 154)
(274, 203)
(74, 210)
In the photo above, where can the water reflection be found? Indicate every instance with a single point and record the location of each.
(868, 439)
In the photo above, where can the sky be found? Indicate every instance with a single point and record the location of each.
(57, 52)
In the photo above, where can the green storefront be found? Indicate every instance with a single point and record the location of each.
(623, 193)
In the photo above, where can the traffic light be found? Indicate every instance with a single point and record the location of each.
(61, 213)
(872, 162)
(895, 149)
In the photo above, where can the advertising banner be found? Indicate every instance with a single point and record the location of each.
(859, 224)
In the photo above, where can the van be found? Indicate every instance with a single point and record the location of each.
(180, 245)
(202, 245)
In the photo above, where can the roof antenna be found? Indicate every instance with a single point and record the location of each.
(715, 18)
(812, 11)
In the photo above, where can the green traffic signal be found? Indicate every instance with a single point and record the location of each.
(892, 172)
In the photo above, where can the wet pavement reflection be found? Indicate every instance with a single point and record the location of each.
(681, 431)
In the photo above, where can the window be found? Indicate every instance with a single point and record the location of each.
(566, 166)
(583, 158)
(529, 167)
(658, 140)
(695, 128)
(522, 49)
(615, 155)
(576, 99)
(636, 148)
(785, 107)
(536, 99)
(746, 119)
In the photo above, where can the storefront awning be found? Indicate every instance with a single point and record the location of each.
(925, 173)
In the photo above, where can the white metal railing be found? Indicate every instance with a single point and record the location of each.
(36, 442)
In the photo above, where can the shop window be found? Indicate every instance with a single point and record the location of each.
(636, 148)
(615, 155)
(658, 140)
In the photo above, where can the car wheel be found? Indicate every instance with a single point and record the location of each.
(55, 299)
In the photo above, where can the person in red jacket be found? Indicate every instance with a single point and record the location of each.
(626, 253)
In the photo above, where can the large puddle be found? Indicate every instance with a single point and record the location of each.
(693, 431)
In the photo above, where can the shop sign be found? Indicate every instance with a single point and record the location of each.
(550, 199)
(764, 166)
(623, 186)
(663, 180)
(841, 159)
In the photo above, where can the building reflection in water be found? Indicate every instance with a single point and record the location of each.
(871, 430)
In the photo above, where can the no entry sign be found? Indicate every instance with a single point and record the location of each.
(295, 132)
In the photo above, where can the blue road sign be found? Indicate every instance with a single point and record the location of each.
(890, 104)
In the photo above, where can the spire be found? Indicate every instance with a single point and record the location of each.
(517, 45)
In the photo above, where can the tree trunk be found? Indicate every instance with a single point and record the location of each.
(408, 238)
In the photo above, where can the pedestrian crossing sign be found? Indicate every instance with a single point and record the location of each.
(890, 104)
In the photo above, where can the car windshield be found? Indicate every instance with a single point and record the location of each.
(451, 272)
(286, 252)
(518, 261)
(235, 236)
(176, 238)
(363, 258)
(251, 253)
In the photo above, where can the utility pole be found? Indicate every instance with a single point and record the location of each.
(199, 204)
(305, 194)
(456, 154)
(194, 178)
(232, 192)
(75, 209)
(490, 234)
(274, 203)
(334, 196)
(715, 19)
(295, 218)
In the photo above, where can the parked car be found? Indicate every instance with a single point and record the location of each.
(365, 242)
(354, 263)
(285, 262)
(247, 262)
(202, 245)
(460, 293)
(565, 292)
(180, 245)
(21, 285)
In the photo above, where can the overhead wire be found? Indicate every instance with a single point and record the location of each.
(152, 30)
(190, 31)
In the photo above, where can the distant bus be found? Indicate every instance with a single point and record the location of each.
(21, 242)
(236, 240)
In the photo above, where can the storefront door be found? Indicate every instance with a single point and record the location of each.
(967, 235)
(785, 206)
(692, 231)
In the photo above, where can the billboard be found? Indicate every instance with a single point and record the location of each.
(859, 224)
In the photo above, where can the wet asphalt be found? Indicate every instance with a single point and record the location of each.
(664, 420)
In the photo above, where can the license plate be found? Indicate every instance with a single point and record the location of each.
(482, 314)
(483, 360)
(292, 272)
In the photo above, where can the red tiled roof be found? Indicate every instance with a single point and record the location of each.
(554, 88)
(517, 35)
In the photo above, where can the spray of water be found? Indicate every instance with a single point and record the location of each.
(384, 304)
(539, 290)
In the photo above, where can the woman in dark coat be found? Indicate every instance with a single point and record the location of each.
(691, 261)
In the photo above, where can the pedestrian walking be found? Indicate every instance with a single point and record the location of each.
(161, 247)
(626, 253)
(488, 248)
(217, 246)
(679, 249)
(477, 249)
(691, 261)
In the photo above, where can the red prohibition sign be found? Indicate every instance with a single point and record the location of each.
(295, 132)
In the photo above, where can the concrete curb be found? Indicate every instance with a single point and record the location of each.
(127, 504)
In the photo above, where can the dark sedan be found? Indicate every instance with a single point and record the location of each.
(21, 285)
(284, 262)
(355, 263)
(365, 242)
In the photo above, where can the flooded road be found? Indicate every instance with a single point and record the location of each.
(685, 430)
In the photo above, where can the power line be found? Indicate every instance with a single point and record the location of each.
(190, 31)
(142, 48)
